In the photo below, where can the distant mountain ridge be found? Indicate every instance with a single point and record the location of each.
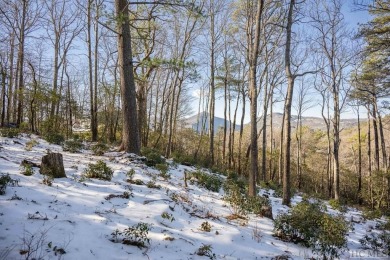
(196, 122)
(315, 123)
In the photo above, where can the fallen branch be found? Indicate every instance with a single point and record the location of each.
(37, 216)
(29, 163)
(150, 201)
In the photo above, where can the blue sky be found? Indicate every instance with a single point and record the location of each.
(353, 18)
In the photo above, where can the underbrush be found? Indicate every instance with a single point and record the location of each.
(153, 157)
(73, 146)
(241, 203)
(6, 180)
(99, 149)
(136, 235)
(100, 170)
(308, 224)
(211, 182)
(54, 138)
(377, 242)
(10, 132)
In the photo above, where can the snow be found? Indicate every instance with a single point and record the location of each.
(77, 217)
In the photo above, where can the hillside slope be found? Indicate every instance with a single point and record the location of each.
(75, 218)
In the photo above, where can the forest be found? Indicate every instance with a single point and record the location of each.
(130, 73)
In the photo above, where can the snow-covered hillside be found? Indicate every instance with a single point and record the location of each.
(75, 219)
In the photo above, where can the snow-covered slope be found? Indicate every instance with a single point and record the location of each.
(79, 217)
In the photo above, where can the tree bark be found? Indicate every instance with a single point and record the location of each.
(376, 139)
(253, 57)
(336, 144)
(360, 200)
(53, 165)
(21, 65)
(90, 72)
(264, 136)
(3, 96)
(212, 84)
(287, 110)
(130, 134)
(241, 130)
(96, 56)
(32, 101)
(11, 74)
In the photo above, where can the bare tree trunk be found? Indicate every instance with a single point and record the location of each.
(15, 92)
(232, 133)
(384, 153)
(32, 101)
(142, 109)
(376, 139)
(212, 83)
(163, 102)
(225, 118)
(3, 86)
(176, 111)
(69, 101)
(369, 156)
(281, 152)
(298, 136)
(149, 122)
(253, 53)
(336, 144)
(130, 135)
(171, 114)
(359, 160)
(329, 151)
(287, 110)
(272, 168)
(241, 131)
(157, 98)
(21, 65)
(382, 137)
(264, 137)
(55, 76)
(96, 56)
(60, 92)
(11, 74)
(90, 71)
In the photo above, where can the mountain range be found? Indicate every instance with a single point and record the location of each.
(316, 123)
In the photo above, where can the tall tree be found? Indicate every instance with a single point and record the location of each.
(144, 44)
(22, 16)
(287, 107)
(291, 75)
(130, 134)
(253, 53)
(213, 41)
(93, 124)
(63, 26)
(334, 44)
(302, 105)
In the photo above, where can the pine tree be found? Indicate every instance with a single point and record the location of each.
(377, 35)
